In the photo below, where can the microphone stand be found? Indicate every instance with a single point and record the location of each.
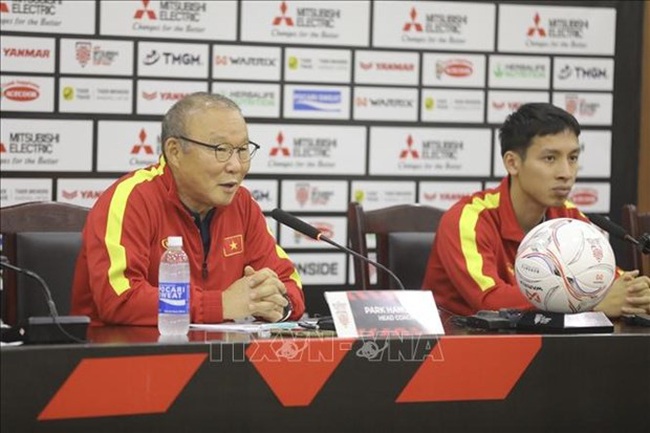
(364, 258)
(54, 314)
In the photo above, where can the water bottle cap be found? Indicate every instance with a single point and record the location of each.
(175, 241)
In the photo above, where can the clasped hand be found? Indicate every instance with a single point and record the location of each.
(257, 293)
(629, 294)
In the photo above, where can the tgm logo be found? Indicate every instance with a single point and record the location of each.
(140, 13)
(317, 100)
(537, 28)
(279, 149)
(142, 146)
(413, 23)
(168, 58)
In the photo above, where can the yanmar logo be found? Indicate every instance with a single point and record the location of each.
(21, 91)
(279, 149)
(30, 53)
(83, 194)
(387, 66)
(140, 13)
(163, 96)
(142, 146)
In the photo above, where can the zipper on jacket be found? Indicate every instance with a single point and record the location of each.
(204, 269)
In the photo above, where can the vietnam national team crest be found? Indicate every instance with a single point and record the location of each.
(233, 245)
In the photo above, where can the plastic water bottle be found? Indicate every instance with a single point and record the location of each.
(174, 289)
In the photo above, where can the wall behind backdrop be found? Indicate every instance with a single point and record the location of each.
(382, 102)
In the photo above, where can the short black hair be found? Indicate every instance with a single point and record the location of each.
(533, 120)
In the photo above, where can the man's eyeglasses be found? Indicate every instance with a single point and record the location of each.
(223, 152)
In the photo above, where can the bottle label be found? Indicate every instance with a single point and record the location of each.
(174, 298)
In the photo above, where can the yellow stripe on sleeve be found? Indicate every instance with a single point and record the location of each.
(283, 255)
(467, 225)
(114, 225)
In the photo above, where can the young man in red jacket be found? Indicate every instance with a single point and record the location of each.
(471, 263)
(237, 270)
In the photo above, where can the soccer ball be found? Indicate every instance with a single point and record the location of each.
(565, 265)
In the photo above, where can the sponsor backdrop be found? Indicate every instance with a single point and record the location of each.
(382, 102)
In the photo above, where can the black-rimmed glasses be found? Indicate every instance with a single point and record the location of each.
(223, 152)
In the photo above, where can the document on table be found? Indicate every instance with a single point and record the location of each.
(244, 327)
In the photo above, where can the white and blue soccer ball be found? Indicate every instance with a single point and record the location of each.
(565, 265)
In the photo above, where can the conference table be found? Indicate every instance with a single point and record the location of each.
(127, 380)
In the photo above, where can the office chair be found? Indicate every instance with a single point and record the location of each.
(404, 237)
(636, 224)
(44, 237)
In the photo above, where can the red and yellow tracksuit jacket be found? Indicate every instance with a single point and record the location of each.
(471, 266)
(116, 277)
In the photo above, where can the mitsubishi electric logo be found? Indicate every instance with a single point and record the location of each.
(413, 23)
(409, 151)
(537, 28)
(142, 146)
(145, 11)
(279, 149)
(283, 18)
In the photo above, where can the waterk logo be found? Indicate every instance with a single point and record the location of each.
(145, 11)
(413, 23)
(283, 17)
(279, 149)
(142, 146)
(409, 151)
(537, 28)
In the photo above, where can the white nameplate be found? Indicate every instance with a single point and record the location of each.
(384, 313)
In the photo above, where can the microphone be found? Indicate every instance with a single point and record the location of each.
(43, 334)
(642, 244)
(308, 230)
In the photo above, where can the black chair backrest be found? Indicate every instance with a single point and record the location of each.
(408, 254)
(55, 217)
(52, 256)
(636, 224)
(383, 222)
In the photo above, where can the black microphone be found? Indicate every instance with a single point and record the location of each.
(642, 244)
(308, 230)
(54, 314)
